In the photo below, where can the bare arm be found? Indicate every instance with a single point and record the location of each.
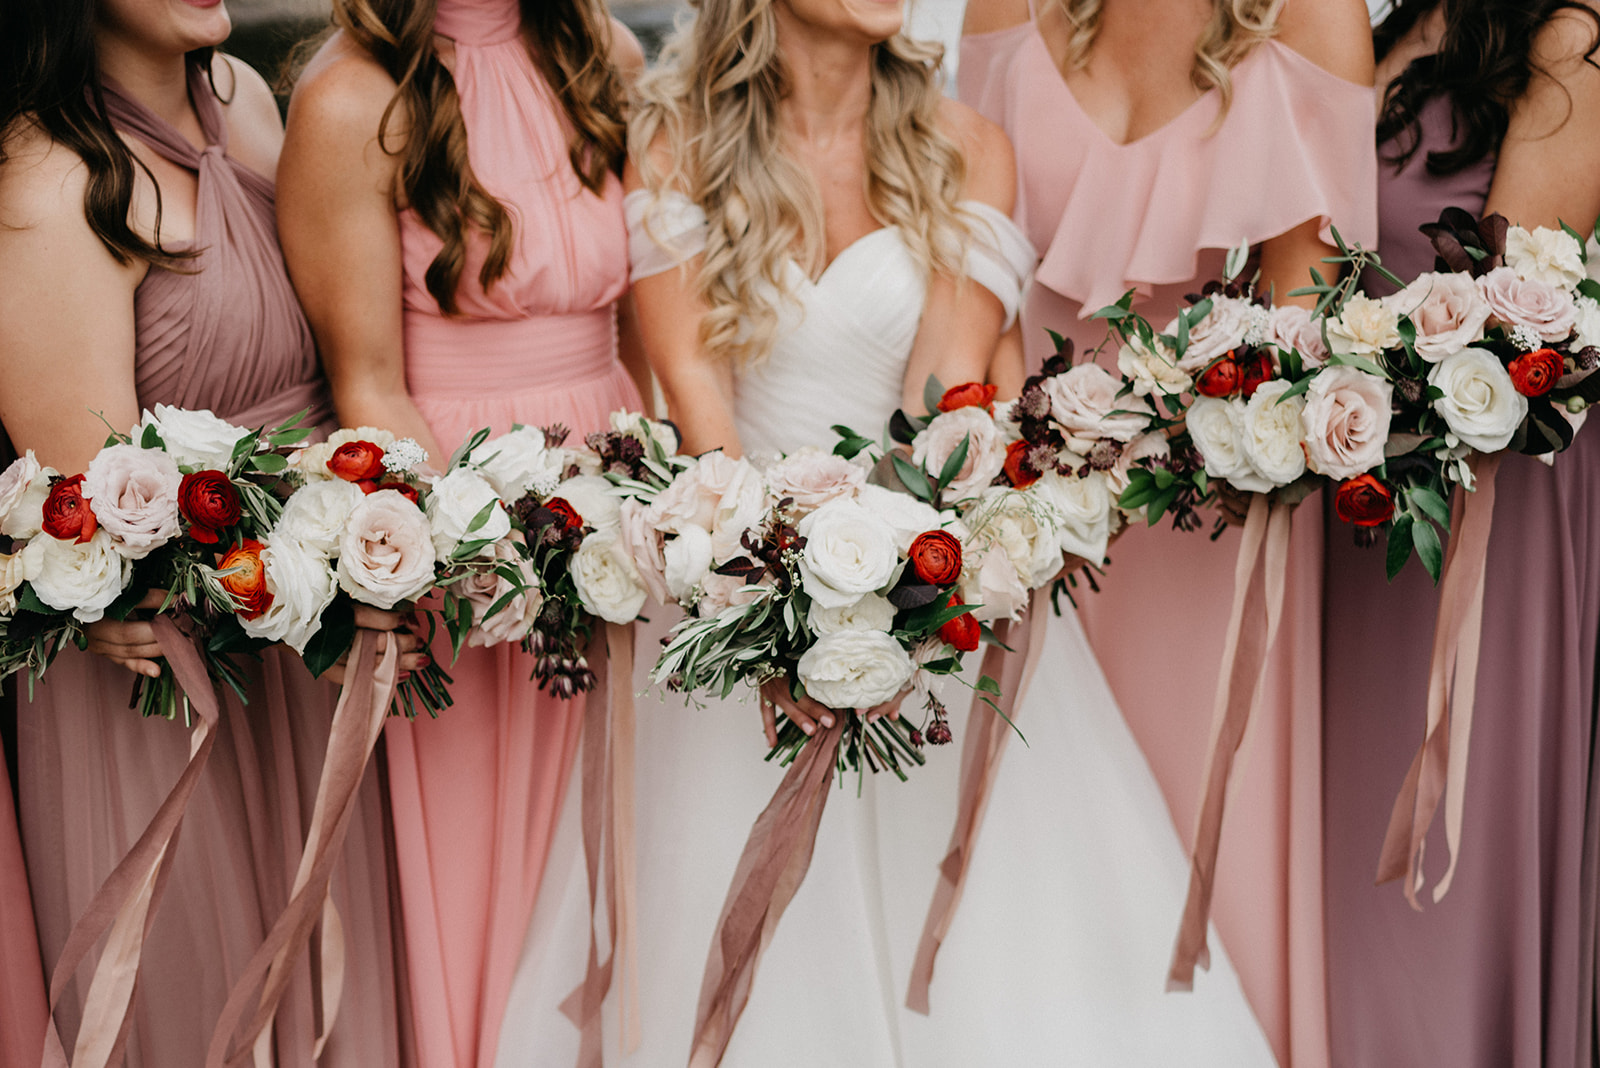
(989, 16)
(341, 238)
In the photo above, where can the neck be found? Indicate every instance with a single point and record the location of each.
(159, 82)
(830, 79)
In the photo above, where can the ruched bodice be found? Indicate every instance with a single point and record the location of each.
(224, 330)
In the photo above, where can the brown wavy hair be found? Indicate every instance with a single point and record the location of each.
(572, 55)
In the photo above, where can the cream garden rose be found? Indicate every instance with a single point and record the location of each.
(1365, 327)
(686, 561)
(316, 514)
(848, 552)
(1152, 370)
(1214, 425)
(386, 552)
(1480, 405)
(13, 573)
(871, 612)
(608, 585)
(1027, 533)
(594, 499)
(518, 463)
(854, 669)
(1545, 255)
(1346, 421)
(79, 578)
(1083, 508)
(906, 515)
(1270, 434)
(811, 477)
(23, 487)
(134, 495)
(1447, 310)
(738, 497)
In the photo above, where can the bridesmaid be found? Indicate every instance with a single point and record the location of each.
(1151, 137)
(136, 240)
(1489, 105)
(452, 217)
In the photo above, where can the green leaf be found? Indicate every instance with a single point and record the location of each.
(915, 482)
(953, 463)
(482, 518)
(333, 638)
(1429, 551)
(1163, 501)
(1399, 544)
(932, 394)
(478, 438)
(1589, 288)
(1298, 388)
(269, 463)
(1583, 253)
(1432, 504)
(151, 438)
(1359, 362)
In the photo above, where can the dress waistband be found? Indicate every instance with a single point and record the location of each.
(469, 356)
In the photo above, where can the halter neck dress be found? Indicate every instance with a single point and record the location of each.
(225, 334)
(1502, 972)
(1156, 215)
(477, 793)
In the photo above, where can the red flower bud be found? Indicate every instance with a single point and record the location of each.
(409, 492)
(962, 633)
(210, 502)
(936, 557)
(67, 515)
(1364, 501)
(969, 395)
(1220, 379)
(356, 461)
(1535, 373)
(1253, 371)
(566, 515)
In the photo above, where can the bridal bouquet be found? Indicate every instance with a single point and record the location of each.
(182, 504)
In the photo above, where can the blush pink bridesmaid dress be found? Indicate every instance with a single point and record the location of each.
(22, 991)
(1157, 215)
(477, 793)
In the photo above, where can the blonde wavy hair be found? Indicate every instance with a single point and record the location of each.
(714, 100)
(1236, 27)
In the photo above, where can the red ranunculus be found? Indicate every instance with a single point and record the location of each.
(1254, 371)
(356, 461)
(1535, 373)
(1220, 379)
(1017, 471)
(565, 514)
(409, 492)
(1364, 501)
(936, 557)
(210, 502)
(248, 583)
(963, 632)
(969, 395)
(67, 515)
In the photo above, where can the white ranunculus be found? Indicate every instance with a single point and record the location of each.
(79, 578)
(454, 502)
(1346, 421)
(13, 573)
(386, 552)
(636, 425)
(906, 515)
(1366, 327)
(316, 514)
(518, 463)
(943, 435)
(196, 439)
(485, 589)
(1223, 328)
(849, 552)
(133, 493)
(1083, 508)
(23, 487)
(1290, 326)
(1270, 433)
(1447, 310)
(302, 583)
(1152, 370)
(854, 669)
(686, 561)
(1214, 424)
(1480, 405)
(811, 477)
(1545, 255)
(604, 576)
(1084, 401)
(872, 612)
(595, 500)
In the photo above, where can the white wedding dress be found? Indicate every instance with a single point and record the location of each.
(1058, 954)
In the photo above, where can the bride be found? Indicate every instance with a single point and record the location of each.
(815, 230)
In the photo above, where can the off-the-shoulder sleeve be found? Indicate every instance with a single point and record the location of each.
(999, 258)
(664, 231)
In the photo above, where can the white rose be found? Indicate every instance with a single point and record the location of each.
(1214, 424)
(79, 578)
(604, 576)
(854, 669)
(849, 552)
(646, 430)
(1545, 255)
(1447, 310)
(1152, 370)
(1366, 327)
(812, 477)
(133, 492)
(1083, 509)
(486, 589)
(23, 488)
(1290, 326)
(943, 436)
(594, 499)
(13, 573)
(1587, 324)
(1223, 328)
(1346, 420)
(1023, 525)
(907, 516)
(1480, 405)
(872, 612)
(991, 586)
(197, 440)
(1270, 433)
(1083, 400)
(386, 552)
(684, 502)
(518, 463)
(302, 583)
(317, 513)
(454, 502)
(686, 560)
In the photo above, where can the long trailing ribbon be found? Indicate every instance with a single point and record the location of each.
(981, 749)
(358, 721)
(608, 819)
(1439, 770)
(774, 863)
(126, 902)
(1258, 587)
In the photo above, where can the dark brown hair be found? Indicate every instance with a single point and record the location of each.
(571, 53)
(1483, 66)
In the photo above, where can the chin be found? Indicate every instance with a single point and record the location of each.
(202, 23)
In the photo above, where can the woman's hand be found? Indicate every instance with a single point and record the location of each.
(392, 626)
(808, 713)
(129, 643)
(1234, 504)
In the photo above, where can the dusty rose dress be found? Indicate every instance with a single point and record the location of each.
(229, 337)
(477, 792)
(1500, 973)
(22, 989)
(1156, 215)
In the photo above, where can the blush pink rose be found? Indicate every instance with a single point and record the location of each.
(134, 495)
(1290, 326)
(986, 455)
(1545, 309)
(812, 477)
(1446, 308)
(1083, 400)
(1346, 421)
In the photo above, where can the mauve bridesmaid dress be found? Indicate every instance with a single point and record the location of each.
(228, 336)
(22, 991)
(1501, 973)
(477, 793)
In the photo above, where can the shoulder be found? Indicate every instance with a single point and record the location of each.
(991, 164)
(255, 129)
(659, 161)
(1568, 39)
(1336, 35)
(342, 92)
(42, 220)
(626, 53)
(991, 16)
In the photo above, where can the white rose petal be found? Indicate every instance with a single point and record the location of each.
(23, 488)
(302, 583)
(518, 463)
(1346, 421)
(1083, 509)
(608, 585)
(1480, 405)
(646, 430)
(1270, 433)
(595, 499)
(854, 669)
(944, 434)
(316, 514)
(991, 585)
(386, 552)
(197, 440)
(13, 573)
(872, 612)
(454, 502)
(907, 516)
(1152, 370)
(811, 477)
(849, 552)
(1447, 310)
(1223, 328)
(1214, 424)
(686, 562)
(79, 578)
